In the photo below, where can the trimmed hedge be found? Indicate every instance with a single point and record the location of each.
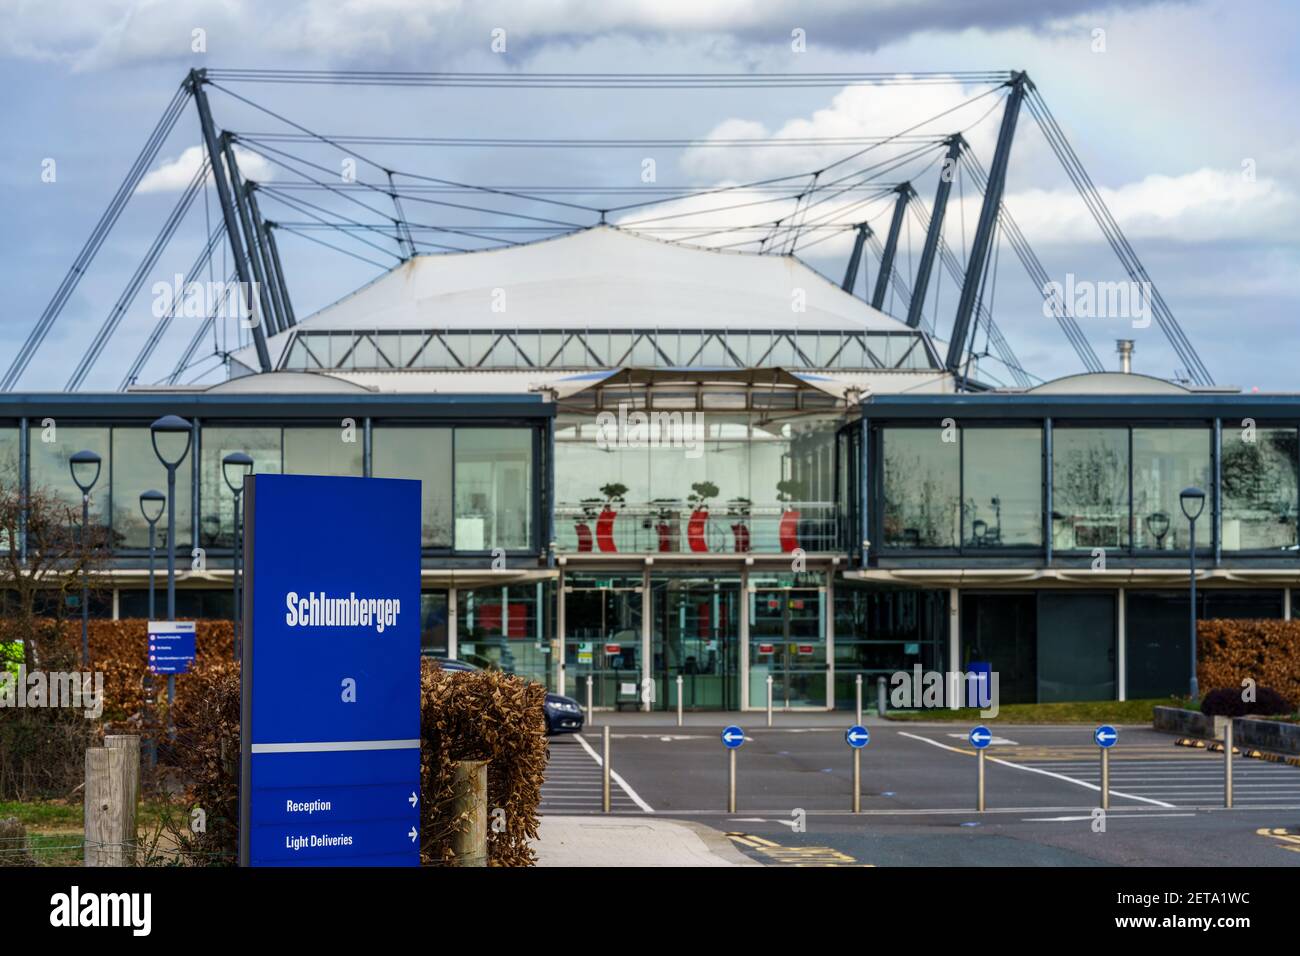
(1228, 702)
(1264, 651)
(463, 716)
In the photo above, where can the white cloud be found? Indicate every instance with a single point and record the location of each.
(115, 32)
(174, 174)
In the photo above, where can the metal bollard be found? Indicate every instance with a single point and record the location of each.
(857, 780)
(769, 700)
(979, 803)
(604, 769)
(880, 696)
(1105, 777)
(731, 790)
(679, 700)
(1227, 765)
(591, 714)
(858, 682)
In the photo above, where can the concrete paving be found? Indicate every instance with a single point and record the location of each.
(639, 841)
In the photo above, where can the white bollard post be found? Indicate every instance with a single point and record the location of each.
(679, 700)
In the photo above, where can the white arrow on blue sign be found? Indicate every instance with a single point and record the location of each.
(857, 736)
(733, 737)
(981, 737)
(1105, 735)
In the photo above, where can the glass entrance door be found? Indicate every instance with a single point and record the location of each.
(787, 641)
(602, 623)
(696, 635)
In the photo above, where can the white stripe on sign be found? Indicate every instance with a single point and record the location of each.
(327, 746)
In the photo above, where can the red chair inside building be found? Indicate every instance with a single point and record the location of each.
(741, 532)
(695, 528)
(585, 540)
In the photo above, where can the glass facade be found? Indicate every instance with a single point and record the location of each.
(324, 451)
(1090, 488)
(494, 488)
(503, 628)
(1259, 472)
(716, 482)
(1002, 487)
(48, 450)
(423, 453)
(922, 485)
(881, 631)
(217, 529)
(135, 469)
(1165, 461)
(787, 640)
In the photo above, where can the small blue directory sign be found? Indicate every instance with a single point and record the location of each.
(171, 647)
(981, 737)
(331, 672)
(1105, 735)
(733, 737)
(857, 736)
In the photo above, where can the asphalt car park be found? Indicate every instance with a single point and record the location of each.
(794, 790)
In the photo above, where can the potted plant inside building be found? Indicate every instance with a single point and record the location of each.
(740, 509)
(615, 495)
(701, 492)
(582, 527)
(665, 521)
(789, 492)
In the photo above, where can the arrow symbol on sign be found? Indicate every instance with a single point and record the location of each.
(857, 736)
(413, 834)
(412, 799)
(981, 737)
(730, 737)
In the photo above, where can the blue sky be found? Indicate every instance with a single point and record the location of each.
(1185, 120)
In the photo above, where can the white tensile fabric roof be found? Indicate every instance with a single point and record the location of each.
(598, 278)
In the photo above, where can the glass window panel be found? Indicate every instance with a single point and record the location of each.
(500, 628)
(323, 451)
(494, 488)
(9, 476)
(1003, 487)
(645, 354)
(135, 469)
(1259, 489)
(1090, 488)
(217, 527)
(48, 452)
(424, 454)
(921, 484)
(1165, 461)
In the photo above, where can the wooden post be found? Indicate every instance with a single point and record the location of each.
(129, 744)
(470, 807)
(112, 788)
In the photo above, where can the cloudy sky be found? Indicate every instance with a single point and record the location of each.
(1183, 114)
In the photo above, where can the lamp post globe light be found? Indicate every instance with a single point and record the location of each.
(85, 466)
(1192, 501)
(234, 468)
(151, 507)
(172, 436)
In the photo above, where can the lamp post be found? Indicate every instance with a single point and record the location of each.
(85, 466)
(1192, 501)
(151, 506)
(234, 468)
(172, 436)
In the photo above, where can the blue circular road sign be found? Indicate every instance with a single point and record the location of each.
(981, 737)
(1105, 735)
(857, 736)
(733, 737)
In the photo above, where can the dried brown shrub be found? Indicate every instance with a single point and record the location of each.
(464, 716)
(482, 715)
(1265, 651)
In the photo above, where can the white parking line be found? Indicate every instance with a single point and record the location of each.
(614, 775)
(1045, 773)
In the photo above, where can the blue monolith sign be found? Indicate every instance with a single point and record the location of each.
(331, 672)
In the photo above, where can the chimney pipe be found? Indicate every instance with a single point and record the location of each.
(1125, 349)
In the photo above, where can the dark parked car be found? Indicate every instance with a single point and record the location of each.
(563, 714)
